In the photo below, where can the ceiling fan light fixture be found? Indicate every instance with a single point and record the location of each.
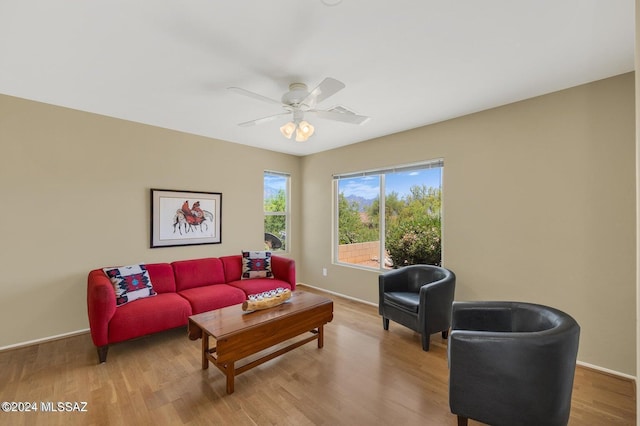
(304, 131)
(288, 129)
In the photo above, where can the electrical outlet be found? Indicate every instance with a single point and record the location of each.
(324, 272)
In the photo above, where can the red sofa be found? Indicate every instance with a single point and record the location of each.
(183, 288)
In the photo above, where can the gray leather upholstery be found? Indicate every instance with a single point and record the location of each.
(418, 297)
(511, 363)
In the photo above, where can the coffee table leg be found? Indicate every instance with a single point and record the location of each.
(320, 336)
(231, 373)
(205, 349)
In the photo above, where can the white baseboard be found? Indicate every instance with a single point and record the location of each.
(607, 371)
(583, 364)
(44, 340)
(344, 296)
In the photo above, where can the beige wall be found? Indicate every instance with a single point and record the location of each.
(539, 206)
(75, 193)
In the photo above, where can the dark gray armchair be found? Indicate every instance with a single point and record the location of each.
(511, 363)
(418, 297)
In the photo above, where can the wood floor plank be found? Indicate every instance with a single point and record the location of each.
(363, 375)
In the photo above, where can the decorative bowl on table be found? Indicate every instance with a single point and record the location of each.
(265, 300)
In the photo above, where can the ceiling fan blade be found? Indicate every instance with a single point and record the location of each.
(262, 120)
(329, 86)
(253, 95)
(345, 117)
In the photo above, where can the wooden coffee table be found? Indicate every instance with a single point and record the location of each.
(239, 334)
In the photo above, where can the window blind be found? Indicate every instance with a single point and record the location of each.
(404, 168)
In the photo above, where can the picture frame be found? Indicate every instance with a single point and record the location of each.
(181, 218)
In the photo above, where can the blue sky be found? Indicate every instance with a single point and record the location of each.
(274, 181)
(368, 186)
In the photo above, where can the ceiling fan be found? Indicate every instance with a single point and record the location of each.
(299, 101)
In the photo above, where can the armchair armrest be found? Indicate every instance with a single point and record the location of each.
(101, 306)
(436, 301)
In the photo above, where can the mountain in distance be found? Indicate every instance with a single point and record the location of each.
(364, 203)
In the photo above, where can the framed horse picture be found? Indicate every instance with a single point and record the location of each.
(180, 218)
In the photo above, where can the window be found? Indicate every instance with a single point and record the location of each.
(389, 217)
(276, 210)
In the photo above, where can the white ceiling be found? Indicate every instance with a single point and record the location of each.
(405, 63)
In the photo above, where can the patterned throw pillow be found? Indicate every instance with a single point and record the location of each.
(130, 283)
(256, 264)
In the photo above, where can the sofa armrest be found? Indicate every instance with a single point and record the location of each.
(101, 306)
(284, 269)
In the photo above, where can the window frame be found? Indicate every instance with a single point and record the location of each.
(381, 173)
(286, 214)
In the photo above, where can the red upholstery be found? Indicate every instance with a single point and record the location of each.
(101, 305)
(284, 269)
(212, 297)
(198, 272)
(184, 288)
(232, 267)
(149, 315)
(161, 275)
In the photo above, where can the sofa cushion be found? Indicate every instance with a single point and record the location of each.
(146, 316)
(130, 283)
(259, 285)
(198, 273)
(210, 297)
(161, 275)
(232, 267)
(256, 264)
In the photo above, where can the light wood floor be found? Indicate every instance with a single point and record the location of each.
(363, 375)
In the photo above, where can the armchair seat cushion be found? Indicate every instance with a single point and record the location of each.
(403, 300)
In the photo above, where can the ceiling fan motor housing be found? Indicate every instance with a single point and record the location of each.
(296, 94)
